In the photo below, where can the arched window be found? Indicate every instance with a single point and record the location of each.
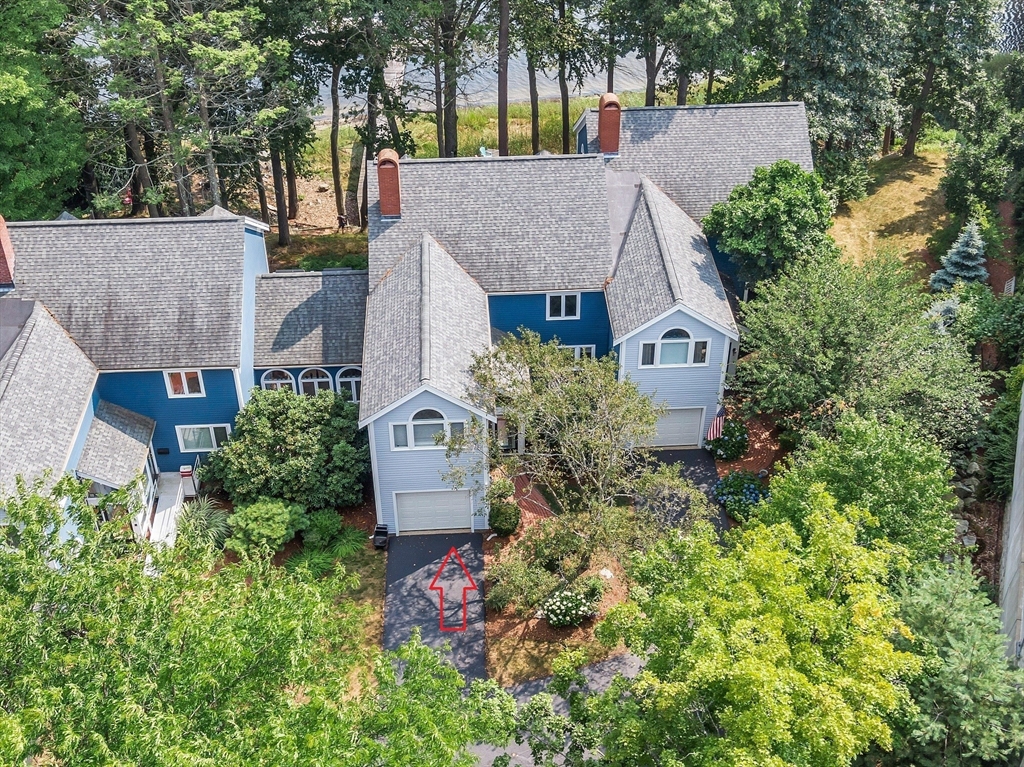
(675, 348)
(427, 428)
(277, 379)
(350, 380)
(315, 380)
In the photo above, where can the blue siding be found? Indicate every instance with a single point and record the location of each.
(83, 431)
(145, 393)
(413, 470)
(510, 312)
(726, 267)
(255, 263)
(685, 387)
(581, 140)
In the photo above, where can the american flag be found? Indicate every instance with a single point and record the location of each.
(715, 429)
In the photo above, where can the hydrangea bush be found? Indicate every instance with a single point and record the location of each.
(567, 608)
(732, 444)
(739, 492)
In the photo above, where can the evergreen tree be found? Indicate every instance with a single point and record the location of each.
(965, 261)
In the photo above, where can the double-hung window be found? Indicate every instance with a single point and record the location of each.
(426, 429)
(582, 350)
(675, 348)
(184, 383)
(563, 306)
(203, 438)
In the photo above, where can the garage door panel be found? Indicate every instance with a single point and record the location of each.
(679, 427)
(440, 510)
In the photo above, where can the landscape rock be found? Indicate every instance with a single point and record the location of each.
(972, 483)
(961, 490)
(322, 188)
(969, 540)
(973, 468)
(606, 574)
(962, 526)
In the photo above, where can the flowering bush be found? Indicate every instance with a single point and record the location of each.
(567, 608)
(732, 444)
(739, 492)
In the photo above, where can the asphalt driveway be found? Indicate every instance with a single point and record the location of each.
(421, 593)
(698, 466)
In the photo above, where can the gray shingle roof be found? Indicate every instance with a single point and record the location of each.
(117, 445)
(697, 155)
(428, 318)
(310, 318)
(513, 223)
(665, 262)
(139, 293)
(46, 382)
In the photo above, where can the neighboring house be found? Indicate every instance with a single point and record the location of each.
(309, 331)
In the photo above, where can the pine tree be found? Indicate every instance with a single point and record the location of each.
(965, 261)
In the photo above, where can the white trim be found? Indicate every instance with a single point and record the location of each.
(410, 438)
(598, 289)
(396, 493)
(580, 119)
(349, 381)
(184, 383)
(577, 349)
(213, 437)
(691, 347)
(265, 373)
(329, 377)
(667, 313)
(238, 388)
(81, 423)
(161, 370)
(376, 478)
(432, 390)
(562, 295)
(253, 223)
(725, 368)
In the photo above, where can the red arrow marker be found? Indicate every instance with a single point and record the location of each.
(468, 585)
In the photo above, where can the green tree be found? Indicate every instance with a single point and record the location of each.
(965, 261)
(765, 650)
(969, 696)
(1000, 435)
(266, 523)
(114, 652)
(780, 214)
(842, 335)
(308, 450)
(42, 147)
(887, 469)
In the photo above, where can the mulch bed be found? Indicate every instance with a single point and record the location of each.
(986, 521)
(764, 451)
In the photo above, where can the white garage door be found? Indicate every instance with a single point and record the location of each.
(679, 427)
(440, 510)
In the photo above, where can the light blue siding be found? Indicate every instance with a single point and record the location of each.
(145, 393)
(255, 263)
(83, 432)
(414, 470)
(510, 312)
(680, 387)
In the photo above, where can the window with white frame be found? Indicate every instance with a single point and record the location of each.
(314, 381)
(582, 350)
(273, 380)
(184, 383)
(350, 380)
(563, 306)
(203, 438)
(675, 348)
(426, 429)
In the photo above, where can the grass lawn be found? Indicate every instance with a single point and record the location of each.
(324, 251)
(903, 207)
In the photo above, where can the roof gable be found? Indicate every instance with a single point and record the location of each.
(139, 293)
(698, 155)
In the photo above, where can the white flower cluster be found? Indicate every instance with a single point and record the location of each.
(566, 608)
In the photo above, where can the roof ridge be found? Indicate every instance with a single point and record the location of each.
(128, 221)
(699, 107)
(666, 259)
(414, 161)
(425, 307)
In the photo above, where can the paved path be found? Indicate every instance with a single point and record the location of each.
(413, 563)
(599, 677)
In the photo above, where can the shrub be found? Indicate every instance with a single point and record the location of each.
(516, 581)
(307, 450)
(504, 511)
(739, 492)
(1000, 435)
(324, 526)
(567, 608)
(555, 547)
(844, 174)
(732, 444)
(965, 261)
(268, 523)
(348, 541)
(315, 562)
(205, 522)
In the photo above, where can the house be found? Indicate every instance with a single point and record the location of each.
(161, 328)
(158, 315)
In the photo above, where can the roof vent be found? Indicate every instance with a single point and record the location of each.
(609, 110)
(6, 259)
(388, 184)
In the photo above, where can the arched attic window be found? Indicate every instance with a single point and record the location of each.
(350, 380)
(277, 379)
(428, 428)
(315, 380)
(675, 348)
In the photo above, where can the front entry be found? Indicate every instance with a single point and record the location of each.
(430, 511)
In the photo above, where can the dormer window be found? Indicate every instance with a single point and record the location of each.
(427, 429)
(675, 348)
(563, 306)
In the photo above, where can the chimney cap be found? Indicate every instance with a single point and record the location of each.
(609, 99)
(387, 155)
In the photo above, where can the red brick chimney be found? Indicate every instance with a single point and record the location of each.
(608, 113)
(6, 259)
(388, 183)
